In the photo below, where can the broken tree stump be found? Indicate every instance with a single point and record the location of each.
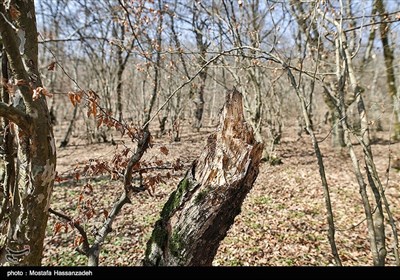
(201, 210)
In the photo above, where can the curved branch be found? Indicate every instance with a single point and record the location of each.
(16, 116)
(143, 144)
(81, 230)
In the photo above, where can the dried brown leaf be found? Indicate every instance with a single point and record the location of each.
(71, 97)
(88, 188)
(164, 150)
(14, 13)
(40, 91)
(92, 108)
(78, 241)
(36, 93)
(57, 227)
(21, 82)
(99, 121)
(51, 66)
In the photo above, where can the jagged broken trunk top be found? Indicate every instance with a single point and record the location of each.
(199, 213)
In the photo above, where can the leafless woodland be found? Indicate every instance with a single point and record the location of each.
(135, 95)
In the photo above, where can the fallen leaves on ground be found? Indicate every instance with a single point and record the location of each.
(283, 219)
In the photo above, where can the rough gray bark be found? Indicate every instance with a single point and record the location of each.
(199, 213)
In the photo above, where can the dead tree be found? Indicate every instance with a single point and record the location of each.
(199, 213)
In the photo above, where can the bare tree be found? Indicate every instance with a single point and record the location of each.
(374, 217)
(199, 24)
(388, 54)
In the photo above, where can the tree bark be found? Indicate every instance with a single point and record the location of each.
(318, 154)
(71, 125)
(199, 26)
(308, 27)
(374, 217)
(7, 144)
(199, 213)
(27, 209)
(388, 54)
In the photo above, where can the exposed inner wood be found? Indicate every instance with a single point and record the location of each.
(199, 213)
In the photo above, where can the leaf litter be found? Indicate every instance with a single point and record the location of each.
(283, 219)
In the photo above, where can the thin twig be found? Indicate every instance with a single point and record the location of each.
(76, 225)
(9, 22)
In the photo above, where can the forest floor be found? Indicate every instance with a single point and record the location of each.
(283, 219)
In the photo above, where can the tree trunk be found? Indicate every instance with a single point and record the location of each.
(374, 217)
(71, 125)
(308, 27)
(334, 119)
(318, 154)
(121, 68)
(199, 213)
(27, 214)
(199, 103)
(337, 130)
(7, 144)
(388, 53)
(198, 28)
